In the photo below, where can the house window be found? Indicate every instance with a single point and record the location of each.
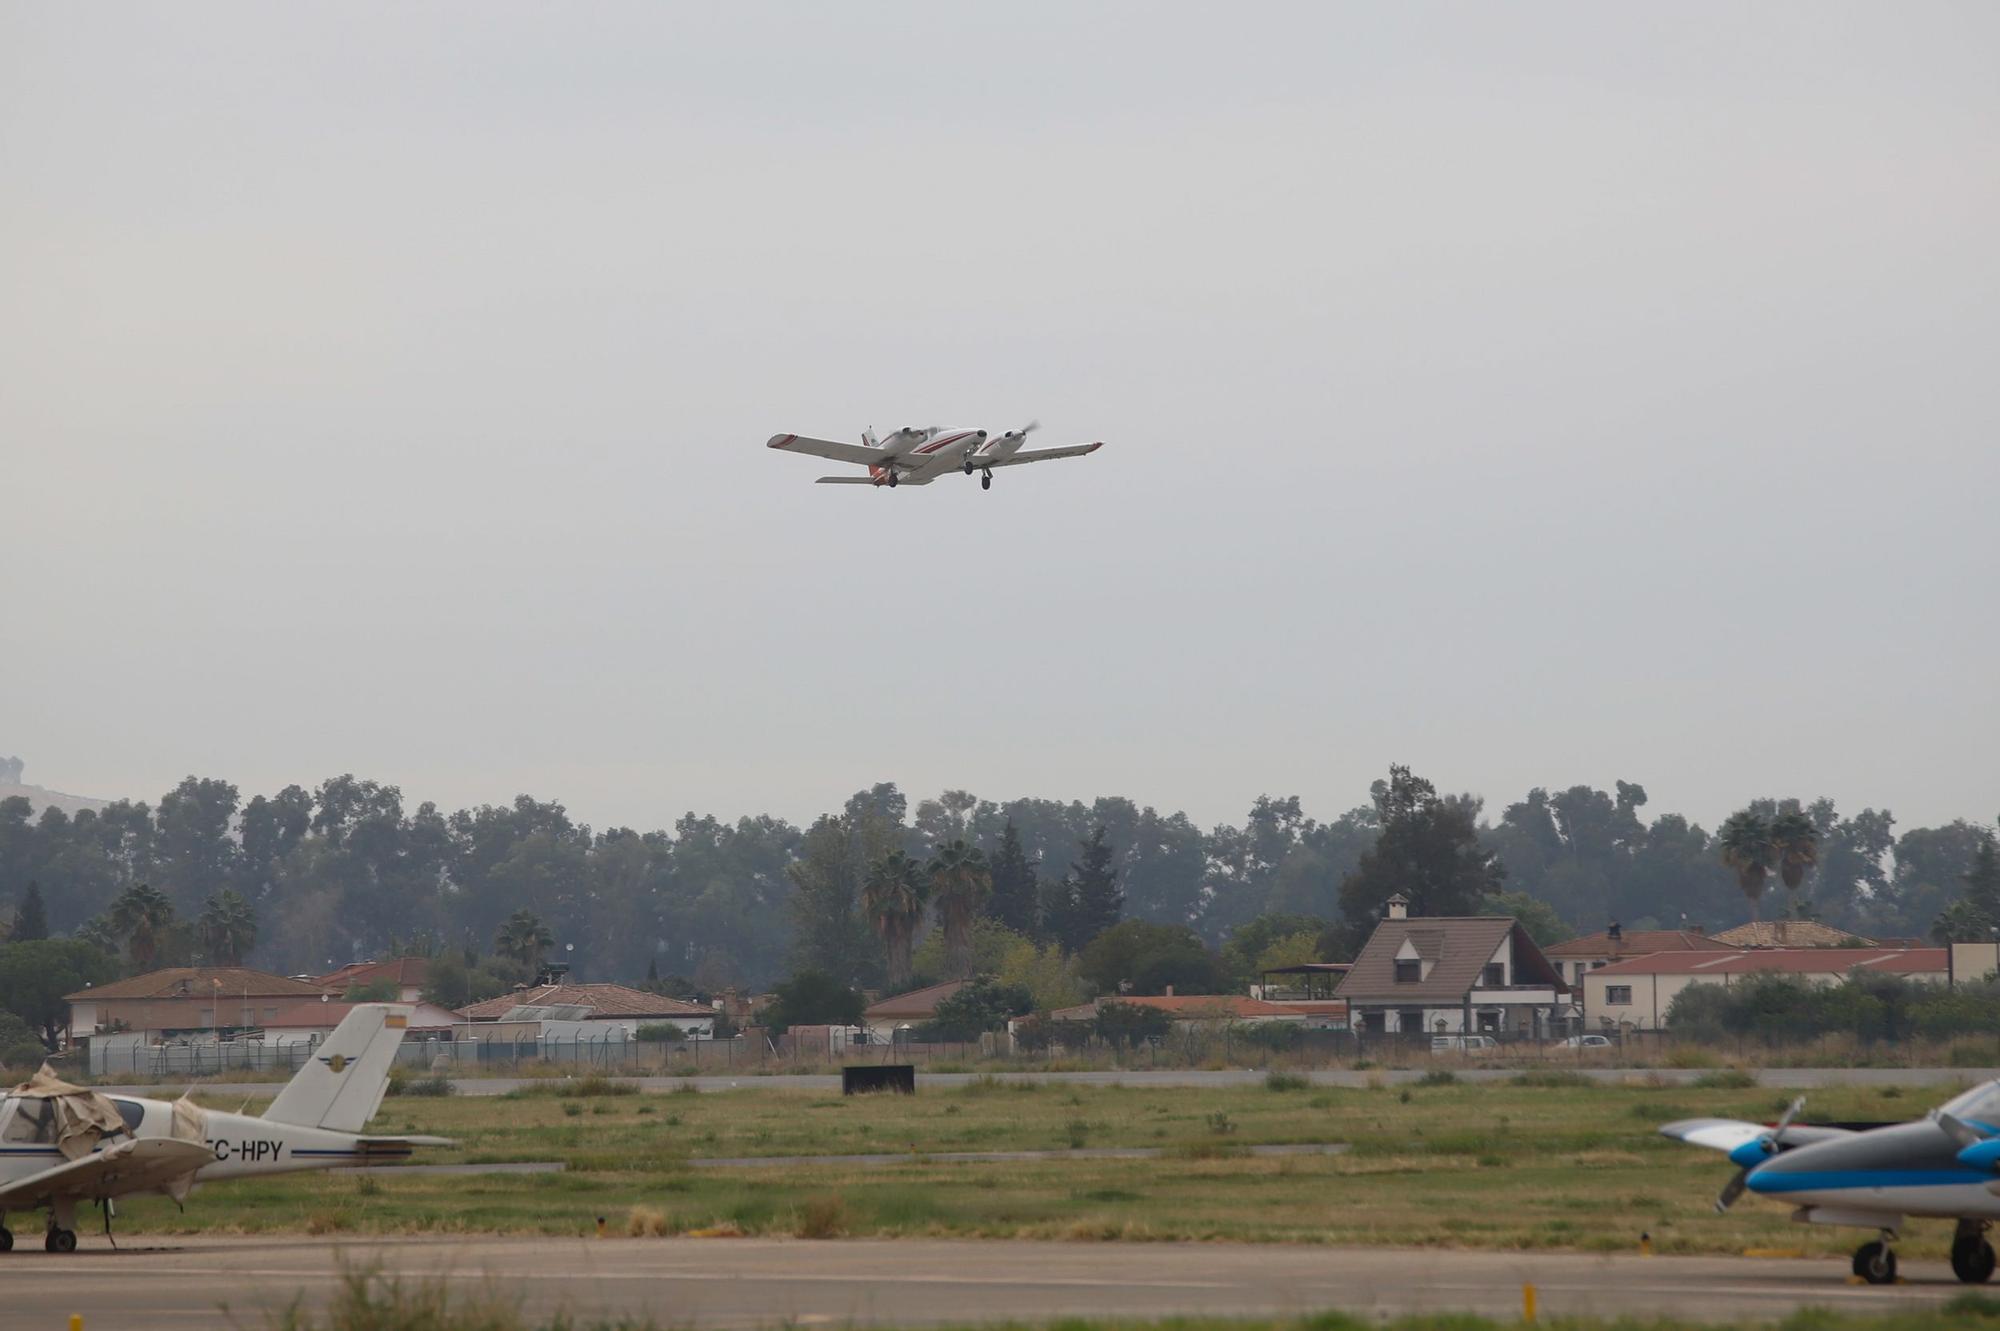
(1494, 976)
(1410, 971)
(1617, 995)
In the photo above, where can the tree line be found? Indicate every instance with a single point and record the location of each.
(304, 880)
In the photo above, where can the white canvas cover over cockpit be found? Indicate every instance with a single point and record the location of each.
(73, 1119)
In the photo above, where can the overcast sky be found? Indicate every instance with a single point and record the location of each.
(1533, 394)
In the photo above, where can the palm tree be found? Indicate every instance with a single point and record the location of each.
(141, 915)
(227, 928)
(893, 898)
(960, 882)
(1795, 843)
(1745, 840)
(523, 937)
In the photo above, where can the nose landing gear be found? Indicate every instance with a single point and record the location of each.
(1876, 1262)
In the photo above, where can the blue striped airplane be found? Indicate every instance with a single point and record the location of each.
(1944, 1166)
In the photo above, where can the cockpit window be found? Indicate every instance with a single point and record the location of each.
(32, 1123)
(1981, 1104)
(132, 1112)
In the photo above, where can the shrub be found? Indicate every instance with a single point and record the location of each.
(661, 1032)
(1129, 1023)
(1286, 1081)
(427, 1086)
(1725, 1079)
(821, 1218)
(1438, 1077)
(1278, 1036)
(977, 1008)
(642, 1221)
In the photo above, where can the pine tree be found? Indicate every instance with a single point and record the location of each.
(1016, 898)
(1097, 901)
(31, 920)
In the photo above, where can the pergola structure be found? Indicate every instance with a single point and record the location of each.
(1309, 982)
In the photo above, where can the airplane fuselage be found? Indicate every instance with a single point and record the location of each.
(242, 1145)
(1905, 1169)
(914, 447)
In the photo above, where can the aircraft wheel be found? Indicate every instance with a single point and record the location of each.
(6, 1240)
(892, 480)
(1972, 1261)
(61, 1240)
(986, 481)
(1875, 1263)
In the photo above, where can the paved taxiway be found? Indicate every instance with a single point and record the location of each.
(766, 1282)
(1776, 1078)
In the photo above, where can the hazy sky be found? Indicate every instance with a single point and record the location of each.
(1533, 394)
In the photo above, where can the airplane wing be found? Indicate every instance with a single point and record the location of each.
(1047, 454)
(1726, 1134)
(828, 449)
(905, 478)
(139, 1165)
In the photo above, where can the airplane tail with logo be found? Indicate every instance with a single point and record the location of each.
(342, 1084)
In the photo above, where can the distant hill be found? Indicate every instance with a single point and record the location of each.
(42, 797)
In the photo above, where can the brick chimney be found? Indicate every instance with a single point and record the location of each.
(1170, 991)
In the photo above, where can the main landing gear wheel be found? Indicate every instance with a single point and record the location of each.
(61, 1240)
(892, 480)
(1875, 1263)
(6, 1240)
(1972, 1260)
(986, 480)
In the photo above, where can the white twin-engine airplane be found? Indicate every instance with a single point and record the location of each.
(919, 455)
(62, 1144)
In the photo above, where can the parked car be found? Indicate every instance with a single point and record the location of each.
(1462, 1044)
(1587, 1042)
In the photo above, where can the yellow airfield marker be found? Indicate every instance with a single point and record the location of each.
(1527, 1303)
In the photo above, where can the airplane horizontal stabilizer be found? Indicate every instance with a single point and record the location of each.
(846, 480)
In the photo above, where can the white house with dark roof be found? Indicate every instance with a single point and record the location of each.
(1637, 994)
(1447, 975)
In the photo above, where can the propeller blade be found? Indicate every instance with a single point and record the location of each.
(1962, 1134)
(1785, 1121)
(1731, 1191)
(1031, 427)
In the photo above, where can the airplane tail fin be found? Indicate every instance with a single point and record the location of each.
(342, 1084)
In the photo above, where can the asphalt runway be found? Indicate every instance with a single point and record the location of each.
(768, 1282)
(1776, 1078)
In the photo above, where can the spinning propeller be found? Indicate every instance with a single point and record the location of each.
(1753, 1153)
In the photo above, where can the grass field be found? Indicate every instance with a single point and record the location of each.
(1575, 1166)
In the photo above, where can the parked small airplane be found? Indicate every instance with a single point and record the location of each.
(1943, 1166)
(62, 1144)
(918, 455)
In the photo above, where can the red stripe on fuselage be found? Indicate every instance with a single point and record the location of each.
(936, 444)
